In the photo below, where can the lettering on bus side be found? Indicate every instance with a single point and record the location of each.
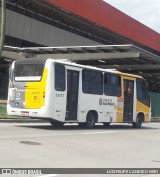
(105, 101)
(59, 95)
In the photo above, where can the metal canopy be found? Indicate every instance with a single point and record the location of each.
(75, 53)
(125, 58)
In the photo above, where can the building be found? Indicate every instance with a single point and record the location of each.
(35, 23)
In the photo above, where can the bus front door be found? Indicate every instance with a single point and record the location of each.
(72, 94)
(128, 86)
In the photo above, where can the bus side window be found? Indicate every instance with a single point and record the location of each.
(142, 92)
(92, 82)
(86, 81)
(112, 84)
(97, 83)
(59, 77)
(107, 88)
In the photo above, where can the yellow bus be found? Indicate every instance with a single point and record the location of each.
(63, 92)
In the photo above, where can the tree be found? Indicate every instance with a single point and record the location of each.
(3, 24)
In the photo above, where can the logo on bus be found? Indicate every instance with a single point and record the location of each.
(108, 102)
(17, 104)
(100, 101)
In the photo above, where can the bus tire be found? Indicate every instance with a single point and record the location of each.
(106, 124)
(90, 121)
(138, 122)
(56, 124)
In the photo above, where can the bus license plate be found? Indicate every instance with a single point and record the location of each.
(23, 113)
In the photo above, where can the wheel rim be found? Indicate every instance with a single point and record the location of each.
(90, 120)
(139, 122)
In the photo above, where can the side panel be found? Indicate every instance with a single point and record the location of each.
(105, 106)
(120, 104)
(58, 102)
(142, 108)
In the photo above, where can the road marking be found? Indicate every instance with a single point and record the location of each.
(53, 135)
(52, 175)
(94, 133)
(153, 175)
(155, 123)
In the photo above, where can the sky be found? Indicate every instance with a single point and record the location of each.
(145, 11)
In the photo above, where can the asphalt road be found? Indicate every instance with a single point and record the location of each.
(38, 145)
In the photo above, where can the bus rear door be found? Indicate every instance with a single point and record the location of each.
(128, 86)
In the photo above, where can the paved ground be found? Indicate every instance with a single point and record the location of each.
(38, 145)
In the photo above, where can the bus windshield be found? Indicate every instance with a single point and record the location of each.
(28, 72)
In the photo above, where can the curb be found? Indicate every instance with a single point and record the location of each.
(28, 120)
(155, 120)
(22, 120)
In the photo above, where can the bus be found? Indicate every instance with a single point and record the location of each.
(65, 92)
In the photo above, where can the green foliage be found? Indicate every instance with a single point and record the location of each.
(155, 104)
(3, 112)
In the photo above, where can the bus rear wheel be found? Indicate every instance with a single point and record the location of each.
(56, 124)
(90, 120)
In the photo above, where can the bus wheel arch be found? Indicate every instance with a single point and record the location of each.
(139, 120)
(91, 119)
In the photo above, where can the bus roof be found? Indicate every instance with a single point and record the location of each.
(70, 63)
(67, 62)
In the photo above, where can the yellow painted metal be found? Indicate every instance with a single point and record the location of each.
(140, 107)
(35, 92)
